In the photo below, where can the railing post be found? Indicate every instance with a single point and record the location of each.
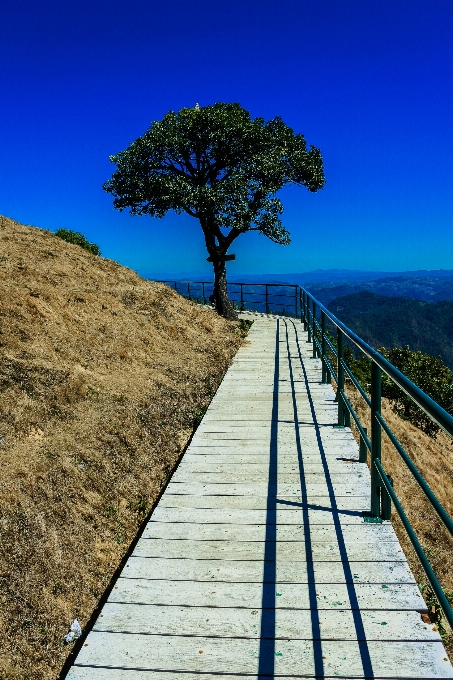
(363, 451)
(325, 371)
(242, 298)
(340, 374)
(313, 319)
(308, 319)
(304, 296)
(386, 501)
(267, 300)
(295, 301)
(375, 439)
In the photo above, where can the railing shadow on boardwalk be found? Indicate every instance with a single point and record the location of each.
(267, 651)
(349, 582)
(266, 661)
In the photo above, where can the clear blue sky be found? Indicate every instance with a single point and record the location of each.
(369, 83)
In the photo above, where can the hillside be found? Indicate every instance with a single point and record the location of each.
(434, 459)
(103, 376)
(428, 288)
(398, 321)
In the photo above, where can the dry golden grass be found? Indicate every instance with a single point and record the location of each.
(434, 459)
(101, 376)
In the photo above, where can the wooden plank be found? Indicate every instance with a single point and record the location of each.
(286, 437)
(322, 519)
(293, 478)
(372, 596)
(242, 447)
(244, 466)
(343, 460)
(354, 488)
(208, 531)
(288, 657)
(347, 504)
(307, 436)
(376, 551)
(103, 673)
(259, 455)
(295, 624)
(237, 571)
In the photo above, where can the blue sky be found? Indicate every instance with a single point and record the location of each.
(369, 83)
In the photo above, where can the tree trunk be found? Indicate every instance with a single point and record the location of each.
(222, 301)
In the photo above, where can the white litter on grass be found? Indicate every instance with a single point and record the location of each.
(74, 632)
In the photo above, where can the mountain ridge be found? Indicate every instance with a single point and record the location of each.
(398, 321)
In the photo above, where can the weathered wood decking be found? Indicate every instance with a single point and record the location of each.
(257, 561)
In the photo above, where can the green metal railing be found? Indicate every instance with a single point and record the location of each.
(315, 318)
(269, 298)
(293, 300)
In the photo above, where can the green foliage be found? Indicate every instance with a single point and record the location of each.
(435, 612)
(140, 505)
(220, 166)
(198, 416)
(244, 326)
(398, 321)
(78, 239)
(361, 367)
(217, 164)
(429, 374)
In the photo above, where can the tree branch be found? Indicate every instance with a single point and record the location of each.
(233, 234)
(188, 164)
(176, 170)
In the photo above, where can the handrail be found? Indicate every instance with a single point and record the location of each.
(435, 585)
(424, 401)
(440, 416)
(291, 300)
(382, 492)
(232, 283)
(444, 516)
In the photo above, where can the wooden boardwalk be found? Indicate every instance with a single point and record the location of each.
(257, 561)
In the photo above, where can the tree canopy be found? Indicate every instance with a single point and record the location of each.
(218, 165)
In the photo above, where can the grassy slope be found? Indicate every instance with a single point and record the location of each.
(434, 459)
(101, 376)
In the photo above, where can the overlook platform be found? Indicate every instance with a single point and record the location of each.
(257, 561)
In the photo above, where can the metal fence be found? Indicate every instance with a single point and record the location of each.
(268, 298)
(328, 336)
(330, 350)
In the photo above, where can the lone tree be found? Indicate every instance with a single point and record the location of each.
(220, 166)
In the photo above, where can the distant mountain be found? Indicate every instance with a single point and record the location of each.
(427, 288)
(340, 276)
(398, 321)
(327, 284)
(352, 275)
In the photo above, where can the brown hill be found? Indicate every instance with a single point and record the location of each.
(434, 459)
(102, 376)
